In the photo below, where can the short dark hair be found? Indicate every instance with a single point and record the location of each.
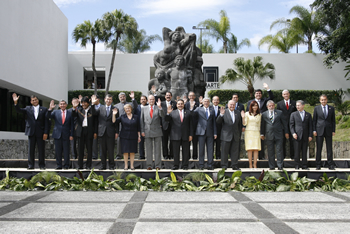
(180, 100)
(168, 92)
(144, 96)
(85, 99)
(108, 96)
(253, 103)
(323, 95)
(33, 96)
(257, 90)
(235, 94)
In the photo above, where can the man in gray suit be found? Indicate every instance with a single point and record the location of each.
(120, 107)
(231, 121)
(152, 131)
(206, 132)
(272, 127)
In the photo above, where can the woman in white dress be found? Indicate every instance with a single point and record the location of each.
(252, 120)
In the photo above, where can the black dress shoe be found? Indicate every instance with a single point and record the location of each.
(112, 168)
(58, 168)
(80, 168)
(318, 168)
(142, 157)
(66, 168)
(166, 157)
(118, 157)
(30, 168)
(102, 168)
(42, 168)
(185, 168)
(218, 158)
(331, 168)
(236, 168)
(88, 168)
(201, 168)
(211, 168)
(224, 168)
(171, 157)
(297, 167)
(280, 168)
(195, 157)
(272, 168)
(306, 168)
(174, 168)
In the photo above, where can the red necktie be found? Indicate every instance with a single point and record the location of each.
(63, 117)
(287, 105)
(181, 116)
(151, 112)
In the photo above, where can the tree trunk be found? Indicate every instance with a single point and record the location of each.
(309, 44)
(225, 47)
(251, 90)
(93, 66)
(111, 69)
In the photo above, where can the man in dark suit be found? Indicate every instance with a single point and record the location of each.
(239, 106)
(152, 131)
(272, 127)
(192, 105)
(143, 101)
(181, 133)
(107, 130)
(37, 129)
(63, 131)
(301, 130)
(206, 132)
(86, 130)
(96, 146)
(262, 105)
(121, 111)
(324, 128)
(217, 141)
(287, 106)
(166, 126)
(231, 121)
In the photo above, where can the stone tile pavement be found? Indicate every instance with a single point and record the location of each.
(174, 212)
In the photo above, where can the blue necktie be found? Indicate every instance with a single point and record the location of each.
(207, 113)
(325, 112)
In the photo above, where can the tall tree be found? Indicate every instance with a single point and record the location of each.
(307, 24)
(137, 42)
(115, 24)
(218, 30)
(283, 41)
(89, 32)
(206, 47)
(335, 16)
(248, 71)
(233, 46)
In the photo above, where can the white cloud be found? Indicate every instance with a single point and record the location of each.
(165, 6)
(291, 3)
(62, 3)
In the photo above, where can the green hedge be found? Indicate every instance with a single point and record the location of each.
(76, 93)
(309, 96)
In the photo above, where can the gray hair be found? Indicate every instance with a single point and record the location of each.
(270, 101)
(206, 99)
(285, 90)
(122, 93)
(301, 102)
(63, 101)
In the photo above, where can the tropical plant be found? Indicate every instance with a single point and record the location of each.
(206, 47)
(307, 24)
(218, 30)
(137, 42)
(115, 24)
(248, 71)
(283, 41)
(233, 46)
(89, 32)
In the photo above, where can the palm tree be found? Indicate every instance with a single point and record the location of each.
(206, 47)
(115, 24)
(283, 41)
(218, 30)
(89, 32)
(233, 47)
(137, 42)
(248, 72)
(307, 24)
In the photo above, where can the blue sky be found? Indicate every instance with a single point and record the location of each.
(249, 18)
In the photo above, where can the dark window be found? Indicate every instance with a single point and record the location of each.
(89, 78)
(211, 74)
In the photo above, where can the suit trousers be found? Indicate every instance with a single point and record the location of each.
(229, 148)
(96, 148)
(142, 148)
(217, 144)
(62, 146)
(153, 144)
(209, 141)
(185, 152)
(32, 141)
(85, 141)
(262, 151)
(271, 152)
(300, 146)
(166, 145)
(291, 146)
(319, 142)
(194, 147)
(107, 145)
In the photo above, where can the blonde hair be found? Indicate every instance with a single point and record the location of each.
(128, 105)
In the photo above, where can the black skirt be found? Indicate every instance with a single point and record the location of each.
(128, 145)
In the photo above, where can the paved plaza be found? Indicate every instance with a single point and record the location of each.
(174, 212)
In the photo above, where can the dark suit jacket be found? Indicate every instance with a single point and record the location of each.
(187, 105)
(120, 106)
(321, 125)
(105, 123)
(130, 128)
(273, 130)
(286, 113)
(205, 126)
(138, 110)
(165, 124)
(239, 105)
(180, 130)
(65, 130)
(263, 102)
(92, 125)
(37, 127)
(229, 129)
(303, 129)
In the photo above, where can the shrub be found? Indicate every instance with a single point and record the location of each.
(76, 93)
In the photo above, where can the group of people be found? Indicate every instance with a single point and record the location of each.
(166, 127)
